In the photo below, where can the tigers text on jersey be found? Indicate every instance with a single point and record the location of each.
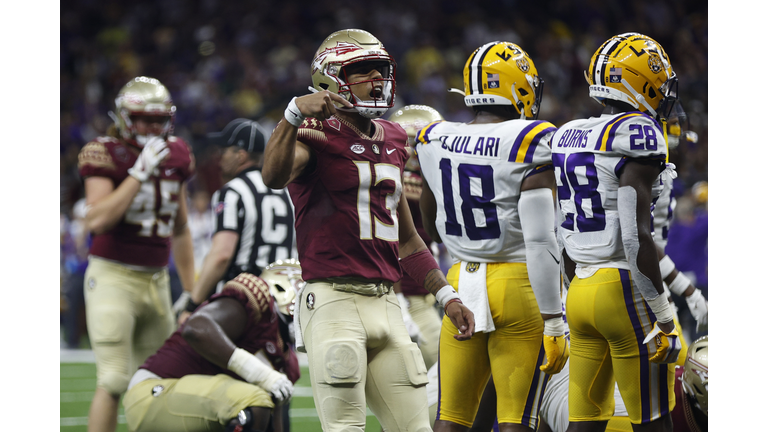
(143, 236)
(262, 217)
(346, 206)
(475, 172)
(589, 155)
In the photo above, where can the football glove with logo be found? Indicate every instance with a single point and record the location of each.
(150, 157)
(667, 345)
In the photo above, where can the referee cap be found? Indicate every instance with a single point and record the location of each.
(246, 134)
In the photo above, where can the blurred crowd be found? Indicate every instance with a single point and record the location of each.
(222, 60)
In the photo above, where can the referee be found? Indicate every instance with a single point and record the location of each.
(254, 224)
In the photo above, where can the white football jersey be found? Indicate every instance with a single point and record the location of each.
(475, 172)
(588, 156)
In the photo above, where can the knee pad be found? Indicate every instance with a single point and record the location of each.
(114, 383)
(343, 362)
(414, 365)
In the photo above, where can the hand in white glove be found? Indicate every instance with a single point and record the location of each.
(153, 153)
(279, 385)
(410, 325)
(697, 304)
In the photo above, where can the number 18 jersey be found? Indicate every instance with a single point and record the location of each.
(475, 172)
(588, 155)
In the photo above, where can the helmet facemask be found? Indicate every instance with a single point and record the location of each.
(383, 95)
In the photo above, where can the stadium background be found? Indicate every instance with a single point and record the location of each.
(222, 60)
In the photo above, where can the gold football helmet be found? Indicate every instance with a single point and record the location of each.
(696, 374)
(634, 69)
(284, 280)
(345, 48)
(501, 73)
(143, 96)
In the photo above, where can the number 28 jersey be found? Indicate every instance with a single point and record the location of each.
(475, 172)
(588, 156)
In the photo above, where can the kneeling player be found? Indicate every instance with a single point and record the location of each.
(224, 369)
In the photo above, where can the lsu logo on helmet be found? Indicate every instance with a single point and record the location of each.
(634, 69)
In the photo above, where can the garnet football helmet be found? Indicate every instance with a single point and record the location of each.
(284, 280)
(634, 69)
(501, 73)
(143, 96)
(338, 56)
(696, 374)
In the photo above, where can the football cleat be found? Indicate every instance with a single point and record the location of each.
(696, 374)
(634, 69)
(340, 55)
(501, 73)
(143, 96)
(284, 280)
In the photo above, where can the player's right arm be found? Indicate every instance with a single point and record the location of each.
(106, 205)
(284, 157)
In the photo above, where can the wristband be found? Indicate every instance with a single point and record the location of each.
(293, 114)
(248, 366)
(680, 284)
(554, 327)
(191, 305)
(451, 301)
(445, 295)
(660, 308)
(666, 266)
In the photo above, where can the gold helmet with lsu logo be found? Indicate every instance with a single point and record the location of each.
(340, 55)
(501, 73)
(414, 118)
(143, 96)
(284, 280)
(696, 373)
(634, 69)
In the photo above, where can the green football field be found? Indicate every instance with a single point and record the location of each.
(78, 382)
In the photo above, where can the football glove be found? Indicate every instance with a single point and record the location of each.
(555, 346)
(667, 345)
(150, 157)
(697, 304)
(410, 325)
(261, 373)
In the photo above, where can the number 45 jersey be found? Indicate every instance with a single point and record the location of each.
(475, 172)
(589, 155)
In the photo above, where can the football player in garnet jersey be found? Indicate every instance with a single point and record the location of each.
(608, 170)
(226, 367)
(344, 170)
(136, 197)
(488, 197)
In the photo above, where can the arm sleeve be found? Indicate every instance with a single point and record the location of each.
(537, 217)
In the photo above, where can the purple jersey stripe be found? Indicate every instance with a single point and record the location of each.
(645, 378)
(528, 414)
(519, 141)
(611, 128)
(535, 143)
(424, 133)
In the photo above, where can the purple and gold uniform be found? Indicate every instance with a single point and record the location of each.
(187, 392)
(127, 288)
(608, 316)
(348, 240)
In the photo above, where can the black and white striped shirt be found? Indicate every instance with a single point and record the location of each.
(262, 217)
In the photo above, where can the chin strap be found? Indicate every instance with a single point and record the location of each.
(640, 98)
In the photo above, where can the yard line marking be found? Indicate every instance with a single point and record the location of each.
(71, 397)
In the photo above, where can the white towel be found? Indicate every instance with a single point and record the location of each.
(297, 324)
(474, 294)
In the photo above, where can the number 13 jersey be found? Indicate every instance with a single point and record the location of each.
(589, 155)
(475, 172)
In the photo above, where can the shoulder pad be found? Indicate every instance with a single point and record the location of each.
(95, 154)
(311, 129)
(537, 133)
(254, 288)
(423, 135)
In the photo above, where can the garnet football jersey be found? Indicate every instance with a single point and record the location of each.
(143, 236)
(346, 207)
(176, 358)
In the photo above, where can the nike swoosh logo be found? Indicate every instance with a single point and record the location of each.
(389, 151)
(294, 114)
(553, 257)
